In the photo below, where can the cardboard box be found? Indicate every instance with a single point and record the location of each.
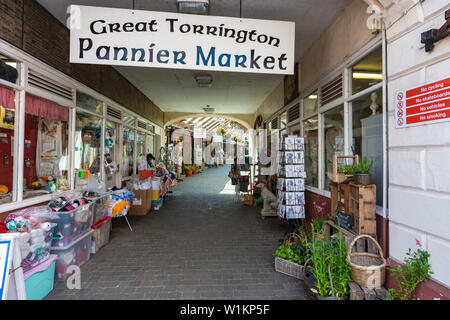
(142, 202)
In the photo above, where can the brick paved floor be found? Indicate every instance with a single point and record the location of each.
(200, 245)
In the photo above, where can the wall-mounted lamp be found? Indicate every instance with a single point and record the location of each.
(430, 37)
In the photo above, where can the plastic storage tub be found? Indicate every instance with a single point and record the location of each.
(99, 208)
(100, 234)
(39, 280)
(71, 225)
(77, 253)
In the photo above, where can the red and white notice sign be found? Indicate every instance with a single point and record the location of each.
(429, 103)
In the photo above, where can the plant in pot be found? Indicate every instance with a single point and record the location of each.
(362, 175)
(327, 272)
(188, 170)
(194, 169)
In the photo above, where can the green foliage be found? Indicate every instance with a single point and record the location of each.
(331, 253)
(290, 252)
(363, 167)
(188, 168)
(414, 270)
(350, 169)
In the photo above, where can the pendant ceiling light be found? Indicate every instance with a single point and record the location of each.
(193, 6)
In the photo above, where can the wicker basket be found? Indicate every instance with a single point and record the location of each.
(337, 177)
(368, 270)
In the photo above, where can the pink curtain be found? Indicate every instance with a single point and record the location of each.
(45, 109)
(7, 98)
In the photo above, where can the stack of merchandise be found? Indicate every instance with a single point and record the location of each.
(291, 178)
(72, 233)
(35, 239)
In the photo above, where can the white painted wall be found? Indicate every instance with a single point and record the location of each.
(419, 157)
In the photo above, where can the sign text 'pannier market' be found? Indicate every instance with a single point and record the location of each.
(180, 41)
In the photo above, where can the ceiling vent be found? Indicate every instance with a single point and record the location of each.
(193, 6)
(274, 124)
(208, 109)
(332, 90)
(203, 80)
(113, 113)
(142, 125)
(293, 113)
(37, 80)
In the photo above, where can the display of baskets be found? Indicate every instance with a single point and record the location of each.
(338, 177)
(367, 269)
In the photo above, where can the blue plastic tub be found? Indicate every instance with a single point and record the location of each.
(40, 284)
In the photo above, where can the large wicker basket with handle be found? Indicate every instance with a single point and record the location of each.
(338, 177)
(368, 269)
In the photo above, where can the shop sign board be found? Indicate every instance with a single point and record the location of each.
(123, 37)
(429, 103)
(12, 283)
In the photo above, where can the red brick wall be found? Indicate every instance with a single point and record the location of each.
(28, 26)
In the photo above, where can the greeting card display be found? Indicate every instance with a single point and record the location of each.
(291, 174)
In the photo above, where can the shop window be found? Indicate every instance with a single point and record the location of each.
(368, 72)
(9, 69)
(310, 104)
(334, 138)
(46, 162)
(367, 135)
(128, 152)
(311, 135)
(7, 132)
(89, 103)
(88, 143)
(141, 154)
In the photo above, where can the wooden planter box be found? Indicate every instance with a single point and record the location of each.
(289, 268)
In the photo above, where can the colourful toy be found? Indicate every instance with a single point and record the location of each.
(36, 185)
(3, 228)
(3, 189)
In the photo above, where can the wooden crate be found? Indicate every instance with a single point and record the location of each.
(362, 206)
(361, 293)
(345, 190)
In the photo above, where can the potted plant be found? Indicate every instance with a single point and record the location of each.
(188, 170)
(289, 259)
(194, 169)
(362, 175)
(327, 272)
(292, 253)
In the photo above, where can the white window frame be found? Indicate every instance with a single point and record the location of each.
(346, 100)
(27, 62)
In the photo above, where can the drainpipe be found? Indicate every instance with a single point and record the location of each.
(385, 136)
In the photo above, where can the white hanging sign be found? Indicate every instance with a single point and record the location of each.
(140, 38)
